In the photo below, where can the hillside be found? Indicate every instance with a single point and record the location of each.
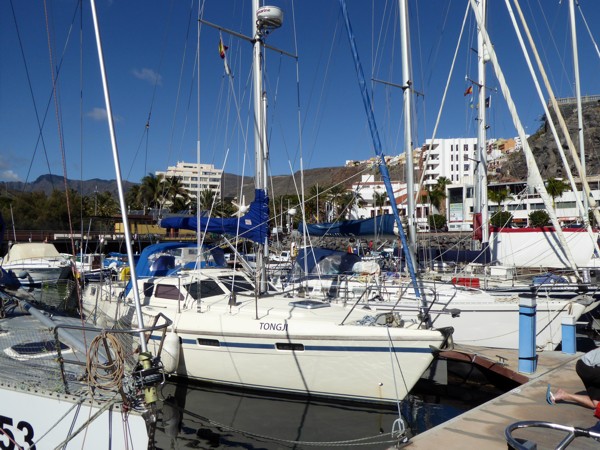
(48, 183)
(545, 150)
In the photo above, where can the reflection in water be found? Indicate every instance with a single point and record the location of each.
(199, 416)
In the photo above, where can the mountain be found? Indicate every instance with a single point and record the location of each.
(544, 147)
(48, 183)
(279, 184)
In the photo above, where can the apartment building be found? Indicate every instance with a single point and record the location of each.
(195, 176)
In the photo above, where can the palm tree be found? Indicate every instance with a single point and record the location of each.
(175, 189)
(335, 196)
(379, 199)
(208, 199)
(152, 190)
(555, 188)
(179, 204)
(314, 200)
(437, 195)
(498, 196)
(133, 197)
(105, 205)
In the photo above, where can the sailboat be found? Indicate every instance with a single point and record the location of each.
(479, 317)
(234, 332)
(64, 383)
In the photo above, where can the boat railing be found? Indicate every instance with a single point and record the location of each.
(571, 432)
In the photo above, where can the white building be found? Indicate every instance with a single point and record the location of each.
(450, 158)
(194, 176)
(368, 190)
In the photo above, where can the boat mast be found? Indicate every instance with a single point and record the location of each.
(480, 172)
(408, 140)
(260, 142)
(534, 177)
(122, 204)
(579, 109)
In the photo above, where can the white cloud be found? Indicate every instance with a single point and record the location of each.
(97, 114)
(9, 175)
(148, 75)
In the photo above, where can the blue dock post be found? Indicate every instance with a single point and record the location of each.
(569, 342)
(527, 333)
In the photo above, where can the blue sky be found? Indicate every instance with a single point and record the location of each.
(150, 50)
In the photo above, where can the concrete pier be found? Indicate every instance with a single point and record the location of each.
(483, 427)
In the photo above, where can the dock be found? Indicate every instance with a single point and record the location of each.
(484, 426)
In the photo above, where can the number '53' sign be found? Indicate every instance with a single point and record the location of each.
(13, 437)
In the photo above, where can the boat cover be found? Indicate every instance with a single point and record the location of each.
(254, 225)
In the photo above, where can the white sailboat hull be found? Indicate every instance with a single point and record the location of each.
(484, 320)
(279, 346)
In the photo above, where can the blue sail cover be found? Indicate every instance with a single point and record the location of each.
(254, 225)
(384, 225)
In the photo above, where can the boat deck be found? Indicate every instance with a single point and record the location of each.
(484, 426)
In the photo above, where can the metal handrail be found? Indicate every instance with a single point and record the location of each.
(572, 433)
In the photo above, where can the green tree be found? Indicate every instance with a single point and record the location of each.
(152, 191)
(501, 219)
(174, 189)
(498, 196)
(436, 221)
(335, 195)
(379, 199)
(133, 197)
(555, 188)
(101, 204)
(539, 218)
(210, 202)
(437, 195)
(314, 201)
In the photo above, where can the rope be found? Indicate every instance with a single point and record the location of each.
(106, 376)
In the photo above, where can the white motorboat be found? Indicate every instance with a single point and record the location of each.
(35, 263)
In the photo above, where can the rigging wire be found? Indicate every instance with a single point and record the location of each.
(40, 137)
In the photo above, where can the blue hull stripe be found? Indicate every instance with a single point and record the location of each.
(319, 348)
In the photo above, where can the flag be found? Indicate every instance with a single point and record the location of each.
(488, 102)
(468, 91)
(222, 48)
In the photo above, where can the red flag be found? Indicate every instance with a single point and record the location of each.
(468, 91)
(222, 48)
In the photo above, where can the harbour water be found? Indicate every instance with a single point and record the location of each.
(203, 416)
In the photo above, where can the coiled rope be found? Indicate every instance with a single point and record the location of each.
(107, 375)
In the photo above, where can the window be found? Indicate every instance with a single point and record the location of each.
(566, 205)
(466, 168)
(205, 289)
(519, 207)
(537, 206)
(209, 342)
(168, 291)
(289, 346)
